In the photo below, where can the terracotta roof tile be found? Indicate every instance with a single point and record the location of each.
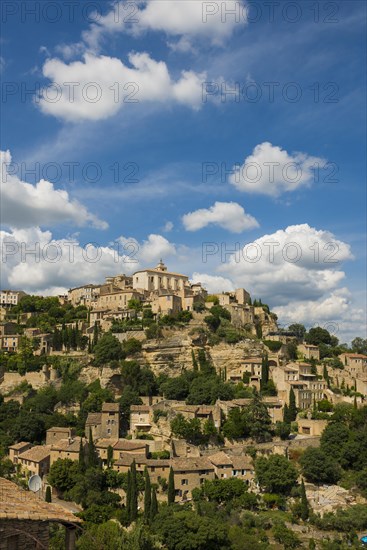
(16, 503)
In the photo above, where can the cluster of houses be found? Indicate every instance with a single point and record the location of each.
(190, 470)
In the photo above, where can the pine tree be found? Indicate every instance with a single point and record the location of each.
(81, 456)
(153, 505)
(133, 493)
(147, 496)
(305, 511)
(48, 497)
(292, 406)
(171, 487)
(194, 361)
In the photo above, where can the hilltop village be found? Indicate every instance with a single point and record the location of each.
(145, 390)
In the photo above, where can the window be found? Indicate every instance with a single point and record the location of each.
(184, 481)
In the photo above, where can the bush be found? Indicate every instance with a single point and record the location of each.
(273, 346)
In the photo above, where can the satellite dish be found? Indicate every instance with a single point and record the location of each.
(35, 483)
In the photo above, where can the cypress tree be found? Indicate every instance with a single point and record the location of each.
(153, 505)
(133, 493)
(325, 376)
(109, 456)
(171, 487)
(292, 406)
(147, 496)
(81, 456)
(305, 511)
(286, 414)
(95, 333)
(264, 370)
(194, 361)
(92, 455)
(48, 497)
(128, 496)
(355, 402)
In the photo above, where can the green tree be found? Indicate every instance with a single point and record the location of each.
(48, 496)
(92, 453)
(63, 474)
(305, 510)
(171, 487)
(154, 505)
(298, 329)
(276, 474)
(359, 345)
(109, 456)
(285, 536)
(292, 409)
(81, 456)
(319, 467)
(147, 496)
(133, 493)
(264, 370)
(107, 349)
(194, 361)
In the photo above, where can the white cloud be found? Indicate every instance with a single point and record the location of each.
(213, 283)
(229, 215)
(189, 20)
(335, 312)
(36, 262)
(271, 170)
(24, 205)
(297, 263)
(103, 85)
(168, 227)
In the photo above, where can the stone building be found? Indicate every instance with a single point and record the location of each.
(158, 279)
(36, 460)
(25, 520)
(308, 351)
(10, 298)
(105, 424)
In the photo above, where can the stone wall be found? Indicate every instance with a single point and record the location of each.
(29, 535)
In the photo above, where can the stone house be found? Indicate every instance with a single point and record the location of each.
(36, 460)
(53, 435)
(18, 448)
(105, 424)
(67, 448)
(308, 351)
(308, 426)
(25, 519)
(190, 473)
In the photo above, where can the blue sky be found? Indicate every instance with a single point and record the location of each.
(173, 146)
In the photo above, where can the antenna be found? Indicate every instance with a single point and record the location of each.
(35, 483)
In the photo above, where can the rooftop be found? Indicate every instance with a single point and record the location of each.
(110, 407)
(36, 453)
(93, 419)
(128, 445)
(19, 445)
(15, 503)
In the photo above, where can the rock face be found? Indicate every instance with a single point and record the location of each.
(231, 357)
(170, 355)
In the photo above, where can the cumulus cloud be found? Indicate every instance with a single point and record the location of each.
(189, 20)
(213, 283)
(297, 263)
(271, 170)
(35, 261)
(335, 312)
(24, 205)
(229, 215)
(99, 86)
